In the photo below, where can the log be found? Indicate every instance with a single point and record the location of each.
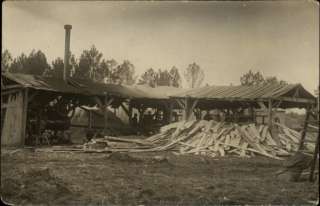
(143, 142)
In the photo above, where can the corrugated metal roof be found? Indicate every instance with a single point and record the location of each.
(248, 92)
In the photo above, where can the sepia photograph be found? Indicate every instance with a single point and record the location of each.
(160, 103)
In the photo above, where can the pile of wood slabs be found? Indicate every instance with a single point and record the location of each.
(209, 138)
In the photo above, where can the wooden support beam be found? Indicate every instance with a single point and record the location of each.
(24, 116)
(190, 104)
(107, 102)
(141, 110)
(170, 111)
(105, 113)
(276, 104)
(194, 103)
(39, 118)
(252, 113)
(314, 158)
(298, 100)
(185, 110)
(305, 127)
(125, 109)
(181, 103)
(130, 112)
(90, 119)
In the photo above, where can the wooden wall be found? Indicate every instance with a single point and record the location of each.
(12, 133)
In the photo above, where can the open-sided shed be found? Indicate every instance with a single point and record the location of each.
(31, 93)
(26, 95)
(267, 96)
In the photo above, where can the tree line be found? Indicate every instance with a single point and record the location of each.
(92, 65)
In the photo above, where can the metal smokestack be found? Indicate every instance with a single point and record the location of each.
(68, 28)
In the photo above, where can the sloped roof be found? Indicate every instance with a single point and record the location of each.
(159, 92)
(72, 86)
(89, 88)
(248, 92)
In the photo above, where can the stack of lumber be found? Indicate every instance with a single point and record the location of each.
(209, 138)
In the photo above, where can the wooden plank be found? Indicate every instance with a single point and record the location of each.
(248, 139)
(143, 142)
(270, 140)
(244, 147)
(12, 130)
(293, 138)
(295, 133)
(313, 127)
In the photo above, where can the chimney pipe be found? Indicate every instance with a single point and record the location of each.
(66, 51)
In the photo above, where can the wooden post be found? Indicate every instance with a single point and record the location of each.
(270, 113)
(186, 109)
(24, 116)
(305, 127)
(105, 113)
(314, 159)
(130, 112)
(170, 111)
(39, 126)
(90, 119)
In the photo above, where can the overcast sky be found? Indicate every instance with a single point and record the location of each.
(225, 38)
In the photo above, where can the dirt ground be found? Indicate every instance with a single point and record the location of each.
(73, 178)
